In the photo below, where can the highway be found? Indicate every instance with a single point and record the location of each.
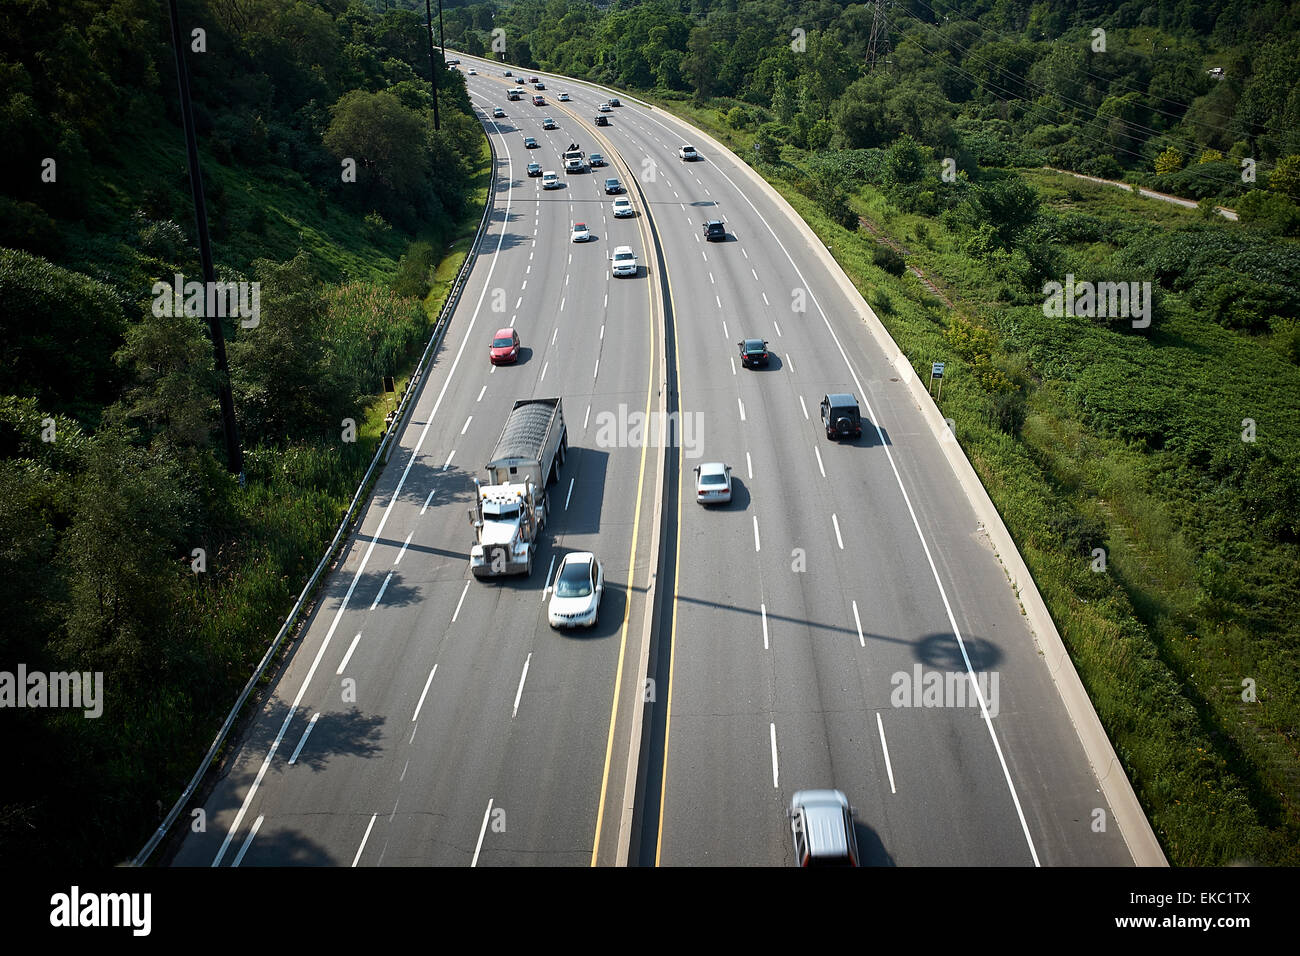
(428, 718)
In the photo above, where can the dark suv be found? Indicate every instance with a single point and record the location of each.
(715, 231)
(840, 416)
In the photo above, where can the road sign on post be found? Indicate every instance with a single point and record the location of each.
(936, 372)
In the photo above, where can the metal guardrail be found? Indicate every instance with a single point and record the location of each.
(404, 408)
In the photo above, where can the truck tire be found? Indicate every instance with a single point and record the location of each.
(528, 570)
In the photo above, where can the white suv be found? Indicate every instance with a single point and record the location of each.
(550, 180)
(687, 154)
(624, 261)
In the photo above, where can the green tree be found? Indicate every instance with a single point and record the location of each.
(1285, 178)
(387, 141)
(1171, 160)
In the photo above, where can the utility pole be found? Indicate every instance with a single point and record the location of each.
(434, 66)
(234, 453)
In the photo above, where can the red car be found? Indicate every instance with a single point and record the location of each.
(505, 347)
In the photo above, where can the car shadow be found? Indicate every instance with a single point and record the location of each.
(871, 851)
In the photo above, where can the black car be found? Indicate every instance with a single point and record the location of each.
(613, 187)
(753, 352)
(840, 416)
(534, 169)
(595, 159)
(615, 102)
(601, 120)
(715, 231)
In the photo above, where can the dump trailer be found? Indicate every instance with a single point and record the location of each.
(511, 507)
(532, 443)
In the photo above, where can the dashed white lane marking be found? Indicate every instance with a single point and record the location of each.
(820, 467)
(425, 692)
(749, 465)
(343, 664)
(456, 613)
(522, 677)
(382, 588)
(889, 768)
(430, 498)
(742, 409)
(763, 609)
(405, 544)
(838, 540)
(775, 784)
(858, 621)
(447, 464)
(306, 733)
(248, 840)
(464, 428)
(357, 858)
(804, 407)
(756, 544)
(482, 830)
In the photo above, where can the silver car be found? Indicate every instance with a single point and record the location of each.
(713, 483)
(821, 822)
(575, 596)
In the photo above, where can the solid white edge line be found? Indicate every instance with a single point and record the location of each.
(424, 693)
(248, 840)
(297, 750)
(884, 747)
(482, 830)
(357, 858)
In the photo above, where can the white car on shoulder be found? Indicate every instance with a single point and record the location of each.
(623, 208)
(575, 593)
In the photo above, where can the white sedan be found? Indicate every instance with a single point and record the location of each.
(564, 97)
(713, 483)
(623, 208)
(575, 595)
(580, 232)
